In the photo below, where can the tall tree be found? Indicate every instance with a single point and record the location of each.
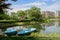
(34, 13)
(4, 5)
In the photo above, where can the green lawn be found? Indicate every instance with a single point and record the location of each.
(29, 38)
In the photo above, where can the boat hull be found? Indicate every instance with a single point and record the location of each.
(26, 32)
(11, 33)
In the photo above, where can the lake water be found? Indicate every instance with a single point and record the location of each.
(46, 28)
(51, 27)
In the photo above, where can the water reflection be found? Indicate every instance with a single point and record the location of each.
(1, 33)
(37, 26)
(51, 27)
(46, 28)
(17, 28)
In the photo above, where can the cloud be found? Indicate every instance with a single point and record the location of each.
(34, 4)
(50, 0)
(43, 5)
(26, 6)
(17, 9)
(54, 0)
(53, 7)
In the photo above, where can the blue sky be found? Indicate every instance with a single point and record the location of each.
(45, 5)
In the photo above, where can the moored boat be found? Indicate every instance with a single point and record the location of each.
(32, 29)
(26, 31)
(11, 32)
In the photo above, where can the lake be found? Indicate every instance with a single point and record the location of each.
(46, 28)
(51, 28)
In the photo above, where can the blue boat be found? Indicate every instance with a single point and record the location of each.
(32, 29)
(11, 32)
(26, 31)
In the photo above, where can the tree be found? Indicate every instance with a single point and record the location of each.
(5, 16)
(34, 13)
(4, 6)
(14, 16)
(21, 14)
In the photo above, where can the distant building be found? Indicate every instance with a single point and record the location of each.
(58, 13)
(49, 13)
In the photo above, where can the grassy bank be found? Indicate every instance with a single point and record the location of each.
(12, 21)
(33, 36)
(28, 38)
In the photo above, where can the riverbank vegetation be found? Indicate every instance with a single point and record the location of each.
(29, 38)
(26, 17)
(32, 18)
(34, 36)
(33, 13)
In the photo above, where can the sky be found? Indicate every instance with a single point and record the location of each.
(44, 5)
